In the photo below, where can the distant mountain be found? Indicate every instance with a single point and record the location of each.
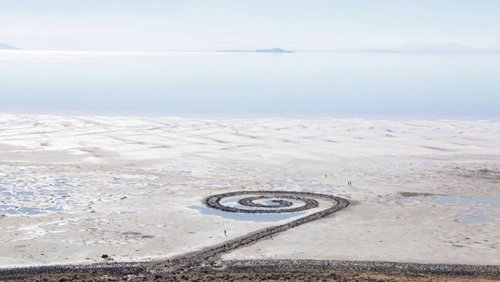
(272, 50)
(446, 47)
(434, 48)
(6, 46)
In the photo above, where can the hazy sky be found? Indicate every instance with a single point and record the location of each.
(246, 24)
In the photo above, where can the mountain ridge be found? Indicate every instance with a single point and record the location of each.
(7, 46)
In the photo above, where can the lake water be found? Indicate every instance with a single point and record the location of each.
(251, 84)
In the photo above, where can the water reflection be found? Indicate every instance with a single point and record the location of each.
(249, 216)
(298, 84)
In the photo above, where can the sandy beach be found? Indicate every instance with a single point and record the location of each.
(89, 189)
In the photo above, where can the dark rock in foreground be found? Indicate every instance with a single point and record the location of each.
(257, 270)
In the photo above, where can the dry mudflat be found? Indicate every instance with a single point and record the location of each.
(85, 189)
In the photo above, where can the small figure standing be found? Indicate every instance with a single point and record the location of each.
(225, 233)
(349, 183)
(326, 175)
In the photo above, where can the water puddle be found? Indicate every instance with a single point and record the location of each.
(255, 217)
(23, 192)
(233, 202)
(477, 216)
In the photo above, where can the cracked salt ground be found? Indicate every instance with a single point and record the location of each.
(303, 182)
(451, 201)
(181, 172)
(23, 192)
(214, 184)
(120, 183)
(380, 167)
(477, 210)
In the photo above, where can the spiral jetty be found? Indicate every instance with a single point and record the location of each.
(204, 265)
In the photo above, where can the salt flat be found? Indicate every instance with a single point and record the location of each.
(73, 188)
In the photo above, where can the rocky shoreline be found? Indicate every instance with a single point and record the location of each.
(246, 270)
(492, 271)
(206, 265)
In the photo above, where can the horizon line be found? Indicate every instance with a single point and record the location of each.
(381, 50)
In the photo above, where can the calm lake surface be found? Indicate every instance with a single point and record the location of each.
(422, 85)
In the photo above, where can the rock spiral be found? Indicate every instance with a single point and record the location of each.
(264, 201)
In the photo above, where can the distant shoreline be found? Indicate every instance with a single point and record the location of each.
(111, 114)
(21, 51)
(272, 50)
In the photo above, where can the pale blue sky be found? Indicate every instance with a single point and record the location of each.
(246, 24)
